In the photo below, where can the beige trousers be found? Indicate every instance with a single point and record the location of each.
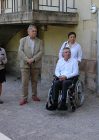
(29, 74)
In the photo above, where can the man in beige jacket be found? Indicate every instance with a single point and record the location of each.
(30, 53)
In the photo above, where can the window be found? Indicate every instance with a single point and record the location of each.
(8, 4)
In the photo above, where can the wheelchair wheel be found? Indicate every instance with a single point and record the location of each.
(49, 99)
(79, 93)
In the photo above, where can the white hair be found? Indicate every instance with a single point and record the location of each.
(31, 26)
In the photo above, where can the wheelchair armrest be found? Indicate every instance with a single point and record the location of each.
(71, 86)
(75, 79)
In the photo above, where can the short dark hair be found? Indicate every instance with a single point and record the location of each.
(67, 48)
(71, 33)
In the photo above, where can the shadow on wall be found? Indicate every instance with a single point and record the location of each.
(12, 66)
(11, 48)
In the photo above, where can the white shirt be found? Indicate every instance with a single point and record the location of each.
(31, 43)
(67, 68)
(76, 51)
(3, 58)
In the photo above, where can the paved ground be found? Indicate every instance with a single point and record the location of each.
(33, 122)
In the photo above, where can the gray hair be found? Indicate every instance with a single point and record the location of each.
(31, 26)
(66, 48)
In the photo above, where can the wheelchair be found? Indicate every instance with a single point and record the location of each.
(75, 94)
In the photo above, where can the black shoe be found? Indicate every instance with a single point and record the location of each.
(63, 107)
(1, 102)
(51, 108)
(73, 108)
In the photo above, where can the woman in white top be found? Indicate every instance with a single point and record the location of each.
(76, 51)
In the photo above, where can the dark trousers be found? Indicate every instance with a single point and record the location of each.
(61, 85)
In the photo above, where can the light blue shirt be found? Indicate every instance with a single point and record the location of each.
(67, 68)
(31, 44)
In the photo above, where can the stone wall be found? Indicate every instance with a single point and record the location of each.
(12, 66)
(11, 48)
(88, 73)
(48, 67)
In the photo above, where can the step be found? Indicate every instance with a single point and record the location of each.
(3, 137)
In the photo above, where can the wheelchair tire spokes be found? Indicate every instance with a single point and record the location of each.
(67, 98)
(79, 93)
(74, 98)
(49, 99)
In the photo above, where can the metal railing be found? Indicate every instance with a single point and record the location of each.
(46, 5)
(60, 5)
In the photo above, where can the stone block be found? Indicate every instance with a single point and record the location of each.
(48, 68)
(83, 77)
(91, 66)
(91, 81)
(82, 65)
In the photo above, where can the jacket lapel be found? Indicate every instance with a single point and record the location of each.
(35, 45)
(28, 45)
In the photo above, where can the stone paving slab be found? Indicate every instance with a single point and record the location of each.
(3, 137)
(34, 122)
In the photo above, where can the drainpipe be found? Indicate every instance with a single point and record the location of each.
(98, 52)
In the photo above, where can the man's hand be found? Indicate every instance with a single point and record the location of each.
(29, 61)
(2, 57)
(62, 78)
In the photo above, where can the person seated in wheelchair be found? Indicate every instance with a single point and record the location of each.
(65, 71)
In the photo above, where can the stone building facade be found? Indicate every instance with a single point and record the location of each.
(54, 19)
